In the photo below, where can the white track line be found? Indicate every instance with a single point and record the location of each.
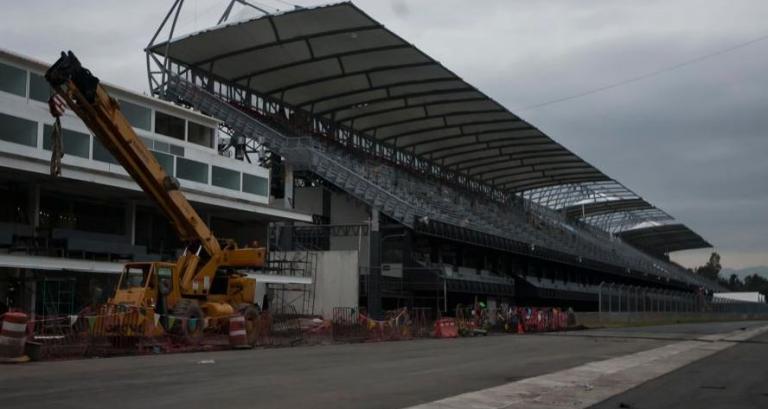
(586, 385)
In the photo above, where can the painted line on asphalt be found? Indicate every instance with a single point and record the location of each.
(589, 384)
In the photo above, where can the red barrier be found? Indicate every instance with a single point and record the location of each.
(446, 328)
(238, 337)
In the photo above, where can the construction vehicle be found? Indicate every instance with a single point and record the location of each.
(206, 280)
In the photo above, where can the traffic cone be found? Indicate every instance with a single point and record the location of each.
(520, 328)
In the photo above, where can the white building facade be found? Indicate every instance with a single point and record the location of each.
(62, 238)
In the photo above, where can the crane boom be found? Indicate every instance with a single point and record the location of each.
(186, 287)
(101, 113)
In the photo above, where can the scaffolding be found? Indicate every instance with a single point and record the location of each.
(292, 264)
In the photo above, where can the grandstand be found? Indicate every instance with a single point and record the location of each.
(482, 203)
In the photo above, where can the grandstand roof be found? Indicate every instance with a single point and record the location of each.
(337, 62)
(609, 206)
(664, 239)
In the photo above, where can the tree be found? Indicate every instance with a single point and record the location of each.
(756, 283)
(734, 283)
(711, 270)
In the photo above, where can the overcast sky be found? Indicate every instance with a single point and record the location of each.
(693, 141)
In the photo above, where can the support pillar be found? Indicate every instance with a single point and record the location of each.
(33, 206)
(374, 267)
(288, 186)
(130, 222)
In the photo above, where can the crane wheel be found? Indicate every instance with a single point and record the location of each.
(252, 320)
(189, 321)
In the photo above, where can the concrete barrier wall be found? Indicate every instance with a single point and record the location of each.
(618, 319)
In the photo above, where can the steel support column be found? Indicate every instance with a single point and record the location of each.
(374, 267)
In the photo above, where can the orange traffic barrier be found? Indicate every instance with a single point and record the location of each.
(13, 337)
(446, 328)
(238, 336)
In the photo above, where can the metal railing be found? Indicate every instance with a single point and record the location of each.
(616, 298)
(404, 196)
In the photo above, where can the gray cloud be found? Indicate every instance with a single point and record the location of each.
(692, 141)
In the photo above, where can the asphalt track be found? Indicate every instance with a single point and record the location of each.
(736, 378)
(374, 375)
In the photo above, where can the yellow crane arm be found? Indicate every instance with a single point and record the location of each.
(101, 113)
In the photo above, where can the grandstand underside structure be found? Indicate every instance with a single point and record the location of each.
(466, 197)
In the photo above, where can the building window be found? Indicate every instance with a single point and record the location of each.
(225, 178)
(166, 161)
(14, 207)
(192, 170)
(154, 231)
(199, 134)
(162, 147)
(169, 125)
(18, 130)
(39, 89)
(149, 143)
(73, 143)
(101, 154)
(58, 211)
(13, 80)
(177, 150)
(138, 116)
(256, 185)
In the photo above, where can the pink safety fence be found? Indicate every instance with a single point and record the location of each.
(107, 332)
(99, 332)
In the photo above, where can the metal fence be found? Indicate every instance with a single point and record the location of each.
(627, 298)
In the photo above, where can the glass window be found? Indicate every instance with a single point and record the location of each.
(100, 153)
(63, 211)
(14, 207)
(149, 143)
(225, 178)
(169, 125)
(199, 134)
(137, 115)
(164, 272)
(134, 276)
(13, 80)
(154, 231)
(39, 90)
(18, 130)
(177, 150)
(162, 147)
(166, 161)
(73, 143)
(192, 170)
(256, 185)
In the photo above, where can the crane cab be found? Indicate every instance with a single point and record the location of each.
(148, 285)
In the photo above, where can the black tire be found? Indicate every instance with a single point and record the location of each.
(251, 315)
(185, 311)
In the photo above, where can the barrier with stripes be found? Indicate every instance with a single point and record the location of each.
(13, 336)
